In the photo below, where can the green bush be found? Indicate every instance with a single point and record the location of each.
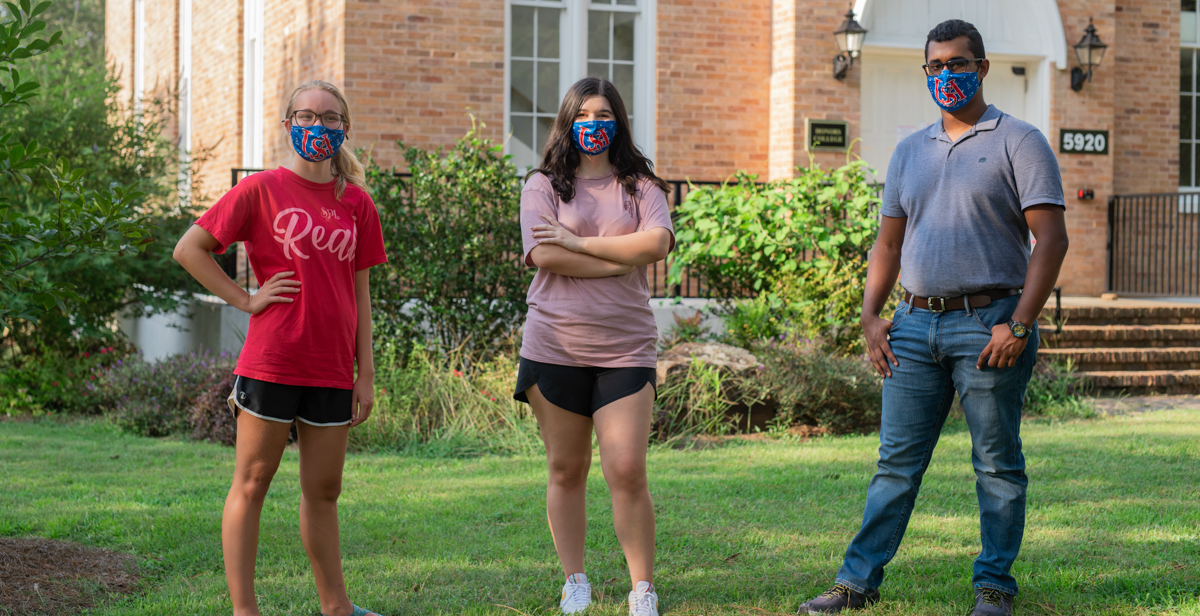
(76, 246)
(1057, 391)
(797, 248)
(684, 330)
(751, 320)
(812, 387)
(59, 382)
(424, 402)
(454, 276)
(742, 239)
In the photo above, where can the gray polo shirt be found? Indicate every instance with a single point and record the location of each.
(964, 202)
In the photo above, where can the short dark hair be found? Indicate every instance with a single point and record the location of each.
(953, 28)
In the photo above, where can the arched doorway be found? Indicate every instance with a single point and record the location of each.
(1023, 38)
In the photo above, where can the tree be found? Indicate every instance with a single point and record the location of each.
(112, 250)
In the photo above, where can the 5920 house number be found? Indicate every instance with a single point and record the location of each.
(1073, 141)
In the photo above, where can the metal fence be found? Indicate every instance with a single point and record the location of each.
(1154, 244)
(690, 284)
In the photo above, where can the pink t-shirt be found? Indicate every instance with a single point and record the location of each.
(291, 224)
(602, 322)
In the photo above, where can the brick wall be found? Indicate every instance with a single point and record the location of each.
(782, 138)
(1091, 108)
(413, 68)
(304, 40)
(217, 90)
(162, 59)
(714, 74)
(1146, 65)
(810, 91)
(118, 43)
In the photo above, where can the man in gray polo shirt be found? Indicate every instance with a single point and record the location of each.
(960, 201)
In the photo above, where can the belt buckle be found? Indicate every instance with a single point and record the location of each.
(941, 300)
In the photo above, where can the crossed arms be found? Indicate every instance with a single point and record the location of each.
(566, 254)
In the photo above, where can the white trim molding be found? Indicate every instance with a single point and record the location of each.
(254, 16)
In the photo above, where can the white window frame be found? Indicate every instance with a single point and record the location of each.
(1189, 38)
(254, 26)
(573, 40)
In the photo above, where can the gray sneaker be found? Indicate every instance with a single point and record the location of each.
(992, 602)
(838, 598)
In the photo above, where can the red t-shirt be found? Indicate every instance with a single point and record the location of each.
(288, 223)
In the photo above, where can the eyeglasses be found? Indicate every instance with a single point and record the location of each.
(956, 66)
(306, 118)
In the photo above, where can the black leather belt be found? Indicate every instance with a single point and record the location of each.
(942, 304)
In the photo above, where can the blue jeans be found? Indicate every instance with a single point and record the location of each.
(937, 354)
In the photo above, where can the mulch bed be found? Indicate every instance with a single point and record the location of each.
(41, 576)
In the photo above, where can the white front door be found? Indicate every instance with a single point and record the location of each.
(896, 100)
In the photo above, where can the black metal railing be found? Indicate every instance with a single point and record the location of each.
(1154, 244)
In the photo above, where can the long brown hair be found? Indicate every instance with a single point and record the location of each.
(346, 168)
(560, 159)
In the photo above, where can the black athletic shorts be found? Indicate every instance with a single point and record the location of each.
(582, 390)
(317, 406)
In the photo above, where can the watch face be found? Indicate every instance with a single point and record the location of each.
(1019, 330)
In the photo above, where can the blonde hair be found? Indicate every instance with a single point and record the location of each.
(345, 167)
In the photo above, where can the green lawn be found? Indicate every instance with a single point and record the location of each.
(751, 528)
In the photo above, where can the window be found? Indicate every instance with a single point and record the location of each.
(1188, 134)
(610, 48)
(535, 75)
(553, 44)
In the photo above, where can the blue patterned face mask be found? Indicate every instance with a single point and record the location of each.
(595, 136)
(951, 91)
(316, 143)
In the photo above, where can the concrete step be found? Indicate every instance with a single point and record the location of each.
(1125, 315)
(1110, 336)
(1143, 382)
(1127, 358)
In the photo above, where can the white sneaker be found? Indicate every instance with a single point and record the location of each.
(643, 601)
(576, 594)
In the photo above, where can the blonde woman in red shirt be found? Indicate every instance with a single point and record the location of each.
(311, 232)
(592, 218)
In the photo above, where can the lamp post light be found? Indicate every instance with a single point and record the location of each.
(849, 37)
(1089, 52)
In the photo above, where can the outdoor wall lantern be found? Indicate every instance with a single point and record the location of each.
(1090, 52)
(849, 37)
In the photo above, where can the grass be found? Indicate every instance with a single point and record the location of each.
(750, 528)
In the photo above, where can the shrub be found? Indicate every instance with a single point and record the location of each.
(209, 414)
(1057, 391)
(749, 321)
(685, 329)
(154, 399)
(811, 387)
(60, 381)
(743, 238)
(425, 401)
(454, 276)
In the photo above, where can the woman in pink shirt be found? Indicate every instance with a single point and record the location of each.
(311, 232)
(593, 216)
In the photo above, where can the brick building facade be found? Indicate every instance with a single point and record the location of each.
(716, 85)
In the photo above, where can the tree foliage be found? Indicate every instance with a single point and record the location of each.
(786, 256)
(452, 229)
(88, 245)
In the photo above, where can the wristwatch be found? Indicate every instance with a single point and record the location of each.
(1019, 330)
